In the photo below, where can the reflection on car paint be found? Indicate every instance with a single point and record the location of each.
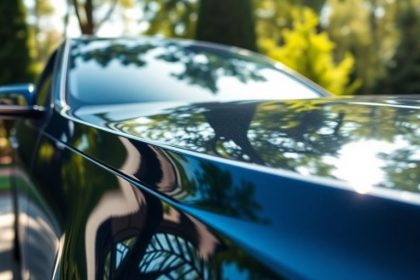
(104, 218)
(172, 257)
(242, 204)
(198, 190)
(312, 138)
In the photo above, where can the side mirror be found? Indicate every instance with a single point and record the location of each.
(11, 105)
(25, 91)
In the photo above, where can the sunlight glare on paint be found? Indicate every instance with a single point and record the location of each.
(359, 163)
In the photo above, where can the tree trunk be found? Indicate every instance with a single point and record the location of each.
(316, 5)
(85, 20)
(229, 22)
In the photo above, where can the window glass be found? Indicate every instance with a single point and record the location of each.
(43, 91)
(149, 70)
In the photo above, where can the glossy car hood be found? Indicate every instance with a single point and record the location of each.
(369, 141)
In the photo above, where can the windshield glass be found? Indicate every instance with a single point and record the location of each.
(117, 71)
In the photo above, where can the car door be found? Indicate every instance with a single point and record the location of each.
(36, 231)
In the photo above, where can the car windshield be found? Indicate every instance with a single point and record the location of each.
(119, 71)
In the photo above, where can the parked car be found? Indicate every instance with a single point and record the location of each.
(168, 159)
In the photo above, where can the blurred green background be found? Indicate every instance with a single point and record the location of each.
(346, 46)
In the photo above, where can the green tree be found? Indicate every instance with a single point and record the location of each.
(227, 22)
(44, 36)
(14, 51)
(370, 35)
(403, 71)
(170, 18)
(310, 53)
(271, 18)
(86, 13)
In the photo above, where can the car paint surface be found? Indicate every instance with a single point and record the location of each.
(219, 190)
(375, 136)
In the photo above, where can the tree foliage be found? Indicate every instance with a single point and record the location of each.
(271, 18)
(43, 37)
(403, 71)
(14, 51)
(310, 53)
(87, 13)
(382, 36)
(202, 20)
(170, 18)
(370, 35)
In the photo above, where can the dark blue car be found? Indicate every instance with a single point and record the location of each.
(167, 159)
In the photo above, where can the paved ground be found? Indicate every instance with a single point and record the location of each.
(8, 266)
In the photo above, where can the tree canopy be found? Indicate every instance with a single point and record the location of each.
(14, 50)
(310, 53)
(403, 70)
(373, 50)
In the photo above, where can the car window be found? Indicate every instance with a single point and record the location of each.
(43, 91)
(150, 70)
